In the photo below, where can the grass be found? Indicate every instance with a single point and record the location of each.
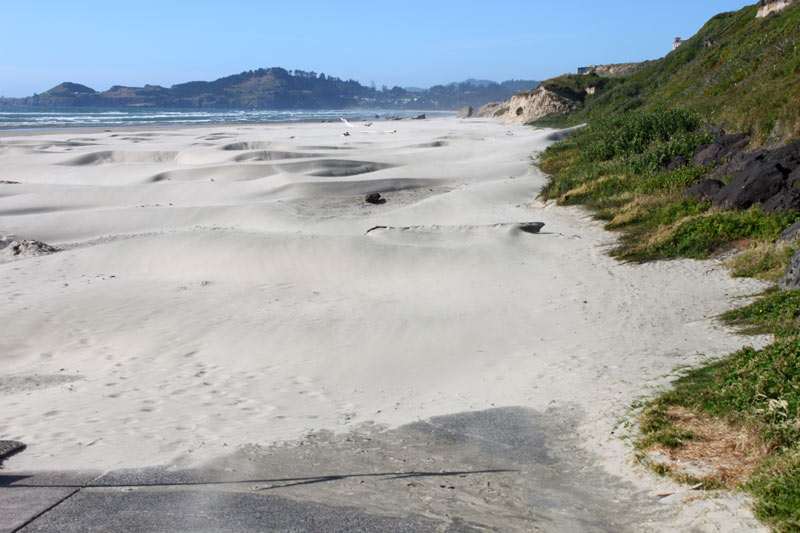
(739, 415)
(617, 167)
(775, 312)
(738, 71)
(752, 398)
(760, 260)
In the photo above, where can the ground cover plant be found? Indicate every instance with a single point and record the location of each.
(619, 167)
(738, 71)
(737, 417)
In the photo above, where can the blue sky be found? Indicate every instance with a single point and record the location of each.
(410, 43)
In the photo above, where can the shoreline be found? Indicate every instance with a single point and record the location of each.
(115, 128)
(246, 339)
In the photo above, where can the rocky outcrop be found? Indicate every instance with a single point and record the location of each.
(771, 179)
(763, 177)
(492, 109)
(527, 107)
(616, 70)
(791, 279)
(792, 233)
(465, 112)
(720, 150)
(706, 190)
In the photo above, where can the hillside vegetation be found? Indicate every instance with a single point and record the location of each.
(638, 164)
(737, 71)
(275, 88)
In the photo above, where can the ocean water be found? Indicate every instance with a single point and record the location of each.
(24, 118)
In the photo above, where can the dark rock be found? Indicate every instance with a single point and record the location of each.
(758, 182)
(733, 142)
(717, 130)
(421, 116)
(787, 157)
(723, 147)
(737, 163)
(793, 180)
(791, 279)
(785, 200)
(706, 155)
(465, 112)
(678, 162)
(705, 190)
(9, 182)
(531, 227)
(10, 447)
(760, 177)
(791, 233)
(374, 198)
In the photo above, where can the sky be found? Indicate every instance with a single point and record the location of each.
(410, 43)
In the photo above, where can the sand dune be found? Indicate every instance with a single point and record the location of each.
(107, 157)
(271, 155)
(227, 172)
(183, 317)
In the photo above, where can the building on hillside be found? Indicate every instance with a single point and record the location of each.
(765, 7)
(584, 70)
(677, 42)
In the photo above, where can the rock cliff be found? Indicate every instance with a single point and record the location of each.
(526, 107)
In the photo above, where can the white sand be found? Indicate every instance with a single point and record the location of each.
(185, 317)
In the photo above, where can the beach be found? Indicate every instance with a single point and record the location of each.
(216, 289)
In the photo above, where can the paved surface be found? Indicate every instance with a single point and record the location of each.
(65, 502)
(509, 469)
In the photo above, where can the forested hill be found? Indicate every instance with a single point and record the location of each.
(276, 88)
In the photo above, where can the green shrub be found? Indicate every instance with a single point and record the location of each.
(776, 312)
(700, 237)
(776, 488)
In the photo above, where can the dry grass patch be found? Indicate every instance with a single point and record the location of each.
(639, 208)
(762, 260)
(712, 450)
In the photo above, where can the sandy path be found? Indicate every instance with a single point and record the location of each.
(218, 287)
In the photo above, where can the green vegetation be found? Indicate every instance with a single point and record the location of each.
(278, 88)
(758, 390)
(574, 86)
(739, 414)
(617, 166)
(738, 71)
(776, 312)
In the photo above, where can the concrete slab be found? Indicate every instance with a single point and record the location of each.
(111, 510)
(20, 505)
(47, 478)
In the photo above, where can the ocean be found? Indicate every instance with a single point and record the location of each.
(26, 118)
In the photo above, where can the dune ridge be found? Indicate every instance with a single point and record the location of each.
(198, 304)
